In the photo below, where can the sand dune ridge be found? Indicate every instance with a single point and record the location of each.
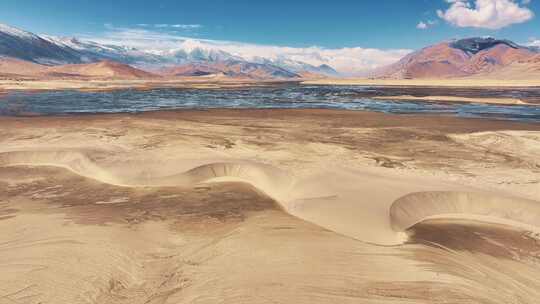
(74, 161)
(402, 214)
(417, 207)
(268, 179)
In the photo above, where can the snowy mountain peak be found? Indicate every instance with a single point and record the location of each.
(53, 50)
(13, 31)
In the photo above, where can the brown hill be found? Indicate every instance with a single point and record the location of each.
(16, 68)
(103, 69)
(462, 58)
(231, 68)
(11, 67)
(195, 69)
(528, 69)
(439, 60)
(495, 58)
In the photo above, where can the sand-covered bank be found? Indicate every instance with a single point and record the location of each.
(501, 101)
(437, 82)
(99, 85)
(267, 206)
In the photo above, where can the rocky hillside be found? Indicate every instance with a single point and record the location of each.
(460, 58)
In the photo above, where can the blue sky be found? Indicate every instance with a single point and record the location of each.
(350, 36)
(381, 24)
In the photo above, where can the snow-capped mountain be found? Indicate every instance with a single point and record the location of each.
(24, 45)
(51, 50)
(88, 51)
(298, 66)
(232, 68)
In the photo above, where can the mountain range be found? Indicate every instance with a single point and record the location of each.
(24, 54)
(55, 51)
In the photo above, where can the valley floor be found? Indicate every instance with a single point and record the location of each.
(8, 85)
(268, 206)
(467, 82)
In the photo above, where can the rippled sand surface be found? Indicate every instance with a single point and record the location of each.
(258, 206)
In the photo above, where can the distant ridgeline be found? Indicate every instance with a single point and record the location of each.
(50, 51)
(472, 57)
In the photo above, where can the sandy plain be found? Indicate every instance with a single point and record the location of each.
(428, 82)
(105, 84)
(268, 206)
(501, 101)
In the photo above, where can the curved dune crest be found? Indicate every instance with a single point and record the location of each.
(74, 161)
(342, 214)
(416, 207)
(268, 179)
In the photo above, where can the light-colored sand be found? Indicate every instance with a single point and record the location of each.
(416, 207)
(149, 209)
(503, 101)
(224, 82)
(116, 84)
(328, 198)
(450, 82)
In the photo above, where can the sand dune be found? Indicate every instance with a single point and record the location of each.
(268, 179)
(74, 161)
(417, 207)
(159, 208)
(329, 199)
(170, 245)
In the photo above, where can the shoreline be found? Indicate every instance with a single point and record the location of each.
(7, 85)
(371, 117)
(456, 99)
(447, 83)
(107, 85)
(414, 90)
(356, 118)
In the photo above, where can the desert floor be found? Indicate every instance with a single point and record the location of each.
(268, 206)
(428, 82)
(96, 84)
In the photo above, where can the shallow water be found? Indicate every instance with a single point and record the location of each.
(286, 96)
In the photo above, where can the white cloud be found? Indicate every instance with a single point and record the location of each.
(533, 42)
(488, 14)
(166, 25)
(349, 60)
(186, 26)
(422, 25)
(427, 24)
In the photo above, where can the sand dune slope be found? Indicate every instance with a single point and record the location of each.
(331, 200)
(268, 179)
(416, 207)
(268, 207)
(68, 239)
